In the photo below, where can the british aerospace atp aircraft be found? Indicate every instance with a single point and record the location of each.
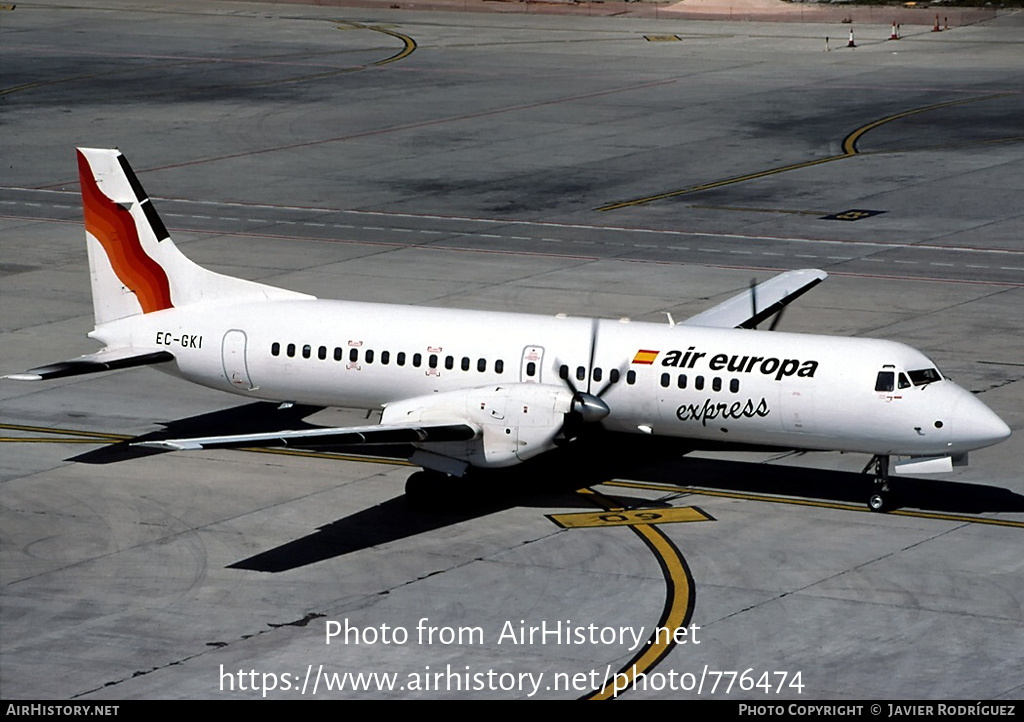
(472, 390)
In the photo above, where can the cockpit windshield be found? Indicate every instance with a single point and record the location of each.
(923, 377)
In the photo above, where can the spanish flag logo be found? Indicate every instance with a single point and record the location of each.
(644, 356)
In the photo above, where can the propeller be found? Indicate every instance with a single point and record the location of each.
(586, 407)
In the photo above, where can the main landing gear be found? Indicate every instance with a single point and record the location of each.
(882, 495)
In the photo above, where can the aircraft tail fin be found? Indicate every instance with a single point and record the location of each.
(134, 265)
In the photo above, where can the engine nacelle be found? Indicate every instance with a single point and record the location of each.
(516, 421)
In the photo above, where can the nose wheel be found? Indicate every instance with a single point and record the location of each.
(882, 497)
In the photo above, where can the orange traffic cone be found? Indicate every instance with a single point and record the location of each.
(895, 34)
(936, 29)
(851, 44)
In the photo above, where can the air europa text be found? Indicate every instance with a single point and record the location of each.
(735, 363)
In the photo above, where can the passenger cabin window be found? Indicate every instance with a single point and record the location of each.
(885, 381)
(613, 376)
(338, 353)
(291, 350)
(400, 358)
(734, 386)
(353, 355)
(698, 383)
(369, 356)
(385, 357)
(716, 384)
(665, 380)
(481, 365)
(681, 381)
(417, 359)
(499, 366)
(631, 377)
(321, 353)
(275, 349)
(307, 351)
(465, 363)
(449, 362)
(598, 374)
(531, 369)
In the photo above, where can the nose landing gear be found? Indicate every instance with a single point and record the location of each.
(882, 496)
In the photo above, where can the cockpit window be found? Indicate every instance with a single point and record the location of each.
(924, 376)
(885, 381)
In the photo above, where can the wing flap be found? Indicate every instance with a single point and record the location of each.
(327, 436)
(772, 296)
(105, 360)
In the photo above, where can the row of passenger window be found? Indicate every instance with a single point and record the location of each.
(581, 374)
(401, 358)
(698, 383)
(368, 356)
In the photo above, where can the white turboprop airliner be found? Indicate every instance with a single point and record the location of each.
(475, 390)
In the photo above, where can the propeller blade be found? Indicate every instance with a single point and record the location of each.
(613, 378)
(753, 298)
(593, 352)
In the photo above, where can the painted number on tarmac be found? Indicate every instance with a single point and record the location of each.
(854, 214)
(628, 517)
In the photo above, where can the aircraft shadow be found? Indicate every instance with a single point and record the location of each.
(949, 497)
(549, 482)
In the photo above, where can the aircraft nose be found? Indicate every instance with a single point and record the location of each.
(976, 425)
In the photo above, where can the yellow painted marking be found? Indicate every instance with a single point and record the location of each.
(31, 440)
(628, 517)
(662, 38)
(849, 150)
(68, 432)
(408, 44)
(817, 504)
(96, 437)
(679, 601)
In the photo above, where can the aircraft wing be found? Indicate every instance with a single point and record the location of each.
(105, 360)
(327, 436)
(763, 301)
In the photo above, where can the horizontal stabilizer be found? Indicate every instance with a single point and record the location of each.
(337, 436)
(771, 297)
(105, 360)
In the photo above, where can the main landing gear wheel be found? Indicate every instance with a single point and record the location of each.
(878, 502)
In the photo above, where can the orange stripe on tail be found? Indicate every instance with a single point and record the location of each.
(115, 229)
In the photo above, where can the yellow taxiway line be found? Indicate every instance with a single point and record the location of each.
(849, 146)
(679, 601)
